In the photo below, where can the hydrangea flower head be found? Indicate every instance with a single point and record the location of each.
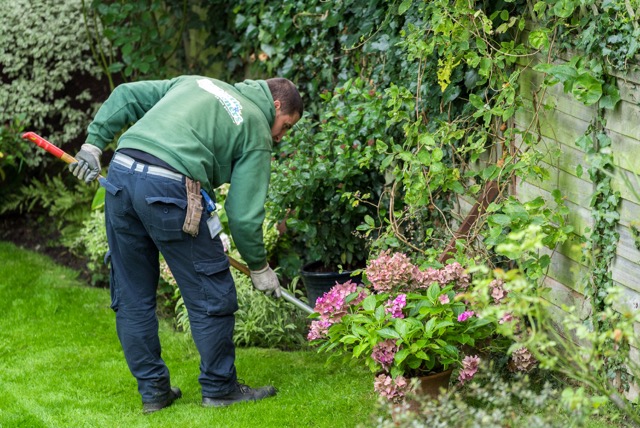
(394, 306)
(389, 387)
(522, 360)
(332, 306)
(390, 272)
(384, 352)
(469, 368)
(318, 329)
(507, 317)
(453, 272)
(465, 316)
(497, 290)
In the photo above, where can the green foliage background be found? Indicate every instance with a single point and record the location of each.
(447, 77)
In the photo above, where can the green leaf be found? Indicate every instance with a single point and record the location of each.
(404, 6)
(401, 327)
(587, 89)
(539, 39)
(369, 303)
(388, 333)
(98, 198)
(564, 8)
(561, 72)
(433, 292)
(500, 219)
(476, 101)
(437, 154)
(400, 356)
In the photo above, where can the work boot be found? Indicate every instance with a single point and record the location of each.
(174, 394)
(240, 393)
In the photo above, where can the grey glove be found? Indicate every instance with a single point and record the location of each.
(88, 166)
(266, 281)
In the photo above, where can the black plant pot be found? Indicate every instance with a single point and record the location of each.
(317, 282)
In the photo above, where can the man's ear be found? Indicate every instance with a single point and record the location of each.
(277, 104)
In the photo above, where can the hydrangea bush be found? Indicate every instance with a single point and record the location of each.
(404, 323)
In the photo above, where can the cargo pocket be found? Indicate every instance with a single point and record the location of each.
(217, 285)
(112, 283)
(166, 217)
(117, 204)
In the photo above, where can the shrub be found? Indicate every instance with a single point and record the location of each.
(91, 241)
(47, 71)
(327, 178)
(260, 320)
(491, 401)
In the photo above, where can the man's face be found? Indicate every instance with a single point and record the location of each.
(282, 123)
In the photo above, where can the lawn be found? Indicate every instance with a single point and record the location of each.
(61, 365)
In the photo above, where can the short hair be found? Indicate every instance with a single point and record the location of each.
(286, 92)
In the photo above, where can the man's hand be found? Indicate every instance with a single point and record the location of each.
(88, 166)
(266, 281)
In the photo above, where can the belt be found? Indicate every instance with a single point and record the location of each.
(129, 162)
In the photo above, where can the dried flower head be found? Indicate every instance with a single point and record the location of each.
(390, 272)
(497, 290)
(384, 352)
(469, 368)
(522, 360)
(390, 388)
(452, 273)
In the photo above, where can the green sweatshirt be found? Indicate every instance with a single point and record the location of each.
(210, 131)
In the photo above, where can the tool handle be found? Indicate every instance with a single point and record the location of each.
(285, 294)
(54, 150)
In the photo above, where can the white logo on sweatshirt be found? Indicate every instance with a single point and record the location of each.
(233, 106)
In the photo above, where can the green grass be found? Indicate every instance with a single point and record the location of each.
(61, 365)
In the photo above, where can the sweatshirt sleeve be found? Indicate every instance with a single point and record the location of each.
(245, 205)
(126, 104)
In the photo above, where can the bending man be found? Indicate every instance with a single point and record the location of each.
(189, 133)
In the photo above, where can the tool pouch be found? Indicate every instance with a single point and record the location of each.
(194, 208)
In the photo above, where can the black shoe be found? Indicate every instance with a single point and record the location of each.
(239, 394)
(174, 394)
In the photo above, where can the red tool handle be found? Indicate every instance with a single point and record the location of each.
(54, 150)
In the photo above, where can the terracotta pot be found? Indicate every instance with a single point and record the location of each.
(432, 385)
(428, 388)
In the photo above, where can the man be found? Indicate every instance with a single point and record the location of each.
(188, 133)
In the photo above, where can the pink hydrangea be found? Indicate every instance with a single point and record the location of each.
(452, 273)
(332, 303)
(507, 317)
(444, 299)
(390, 388)
(389, 272)
(394, 307)
(384, 352)
(332, 306)
(318, 329)
(465, 316)
(469, 368)
(497, 290)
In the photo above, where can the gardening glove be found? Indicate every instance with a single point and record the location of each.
(88, 166)
(266, 281)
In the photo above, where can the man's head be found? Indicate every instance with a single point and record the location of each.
(288, 104)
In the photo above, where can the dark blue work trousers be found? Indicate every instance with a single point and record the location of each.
(144, 216)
